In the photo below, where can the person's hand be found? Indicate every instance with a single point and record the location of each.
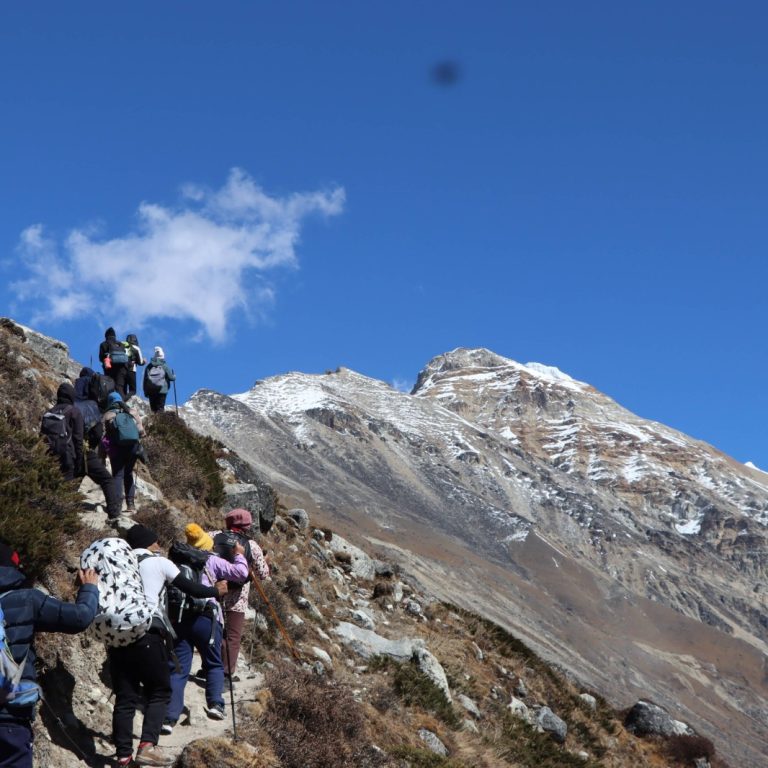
(87, 576)
(239, 550)
(221, 587)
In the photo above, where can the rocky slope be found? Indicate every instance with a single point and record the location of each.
(629, 553)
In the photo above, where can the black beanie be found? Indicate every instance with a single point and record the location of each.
(140, 537)
(65, 393)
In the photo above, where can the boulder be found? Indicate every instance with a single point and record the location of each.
(550, 723)
(257, 498)
(300, 517)
(469, 705)
(367, 643)
(363, 619)
(589, 701)
(361, 565)
(518, 708)
(432, 668)
(648, 719)
(433, 743)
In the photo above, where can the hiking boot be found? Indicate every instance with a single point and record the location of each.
(130, 507)
(215, 711)
(167, 727)
(152, 755)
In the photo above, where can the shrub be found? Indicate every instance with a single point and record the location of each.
(313, 722)
(182, 462)
(686, 749)
(38, 508)
(423, 758)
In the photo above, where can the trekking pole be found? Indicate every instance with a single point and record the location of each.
(296, 655)
(175, 401)
(229, 670)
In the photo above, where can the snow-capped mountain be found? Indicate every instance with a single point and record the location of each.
(631, 554)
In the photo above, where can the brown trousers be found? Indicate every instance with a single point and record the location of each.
(230, 648)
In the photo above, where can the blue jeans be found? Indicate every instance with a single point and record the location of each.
(15, 745)
(197, 632)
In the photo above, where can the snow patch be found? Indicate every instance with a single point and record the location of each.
(689, 528)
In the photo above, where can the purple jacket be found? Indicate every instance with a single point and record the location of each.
(217, 568)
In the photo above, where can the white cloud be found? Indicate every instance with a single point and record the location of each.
(402, 385)
(200, 261)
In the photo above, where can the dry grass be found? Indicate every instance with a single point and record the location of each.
(221, 753)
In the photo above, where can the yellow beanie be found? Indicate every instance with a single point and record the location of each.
(197, 537)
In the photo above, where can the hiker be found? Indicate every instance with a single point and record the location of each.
(239, 522)
(122, 431)
(93, 429)
(62, 426)
(134, 358)
(141, 671)
(157, 380)
(114, 359)
(202, 630)
(27, 611)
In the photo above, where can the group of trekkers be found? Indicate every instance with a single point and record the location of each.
(92, 420)
(152, 612)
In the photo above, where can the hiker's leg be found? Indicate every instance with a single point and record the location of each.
(183, 649)
(160, 401)
(156, 677)
(16, 745)
(118, 374)
(210, 653)
(230, 648)
(124, 670)
(130, 384)
(128, 479)
(98, 472)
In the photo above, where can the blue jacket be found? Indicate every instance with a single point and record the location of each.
(28, 611)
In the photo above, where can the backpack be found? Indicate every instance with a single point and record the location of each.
(123, 429)
(241, 539)
(154, 379)
(191, 561)
(117, 352)
(99, 388)
(53, 428)
(124, 614)
(91, 413)
(14, 692)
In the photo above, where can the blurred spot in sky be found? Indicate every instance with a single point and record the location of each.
(446, 73)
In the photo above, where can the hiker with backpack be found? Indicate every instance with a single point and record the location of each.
(24, 612)
(157, 380)
(62, 428)
(134, 358)
(113, 357)
(141, 670)
(93, 432)
(122, 432)
(199, 625)
(239, 523)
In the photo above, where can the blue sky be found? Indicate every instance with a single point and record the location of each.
(270, 187)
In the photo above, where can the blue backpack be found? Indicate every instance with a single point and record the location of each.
(14, 692)
(124, 429)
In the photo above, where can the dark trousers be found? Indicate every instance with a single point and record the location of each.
(130, 383)
(123, 461)
(97, 470)
(230, 649)
(117, 374)
(15, 745)
(203, 632)
(143, 663)
(157, 402)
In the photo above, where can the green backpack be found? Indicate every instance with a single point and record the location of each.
(123, 429)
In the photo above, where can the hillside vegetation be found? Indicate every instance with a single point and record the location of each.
(381, 674)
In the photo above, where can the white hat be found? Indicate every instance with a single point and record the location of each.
(159, 352)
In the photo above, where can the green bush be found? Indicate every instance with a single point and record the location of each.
(38, 508)
(183, 463)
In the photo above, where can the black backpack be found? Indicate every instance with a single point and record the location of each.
(191, 562)
(54, 428)
(117, 352)
(99, 389)
(91, 414)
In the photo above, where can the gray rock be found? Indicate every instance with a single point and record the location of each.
(433, 743)
(479, 655)
(257, 497)
(469, 705)
(701, 762)
(589, 701)
(384, 570)
(322, 655)
(412, 607)
(318, 535)
(521, 689)
(432, 668)
(366, 643)
(54, 352)
(300, 517)
(550, 723)
(646, 719)
(469, 726)
(361, 565)
(518, 709)
(363, 619)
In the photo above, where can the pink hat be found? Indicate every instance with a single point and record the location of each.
(238, 518)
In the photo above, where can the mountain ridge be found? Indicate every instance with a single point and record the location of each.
(486, 452)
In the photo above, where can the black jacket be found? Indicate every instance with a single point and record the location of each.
(28, 611)
(65, 401)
